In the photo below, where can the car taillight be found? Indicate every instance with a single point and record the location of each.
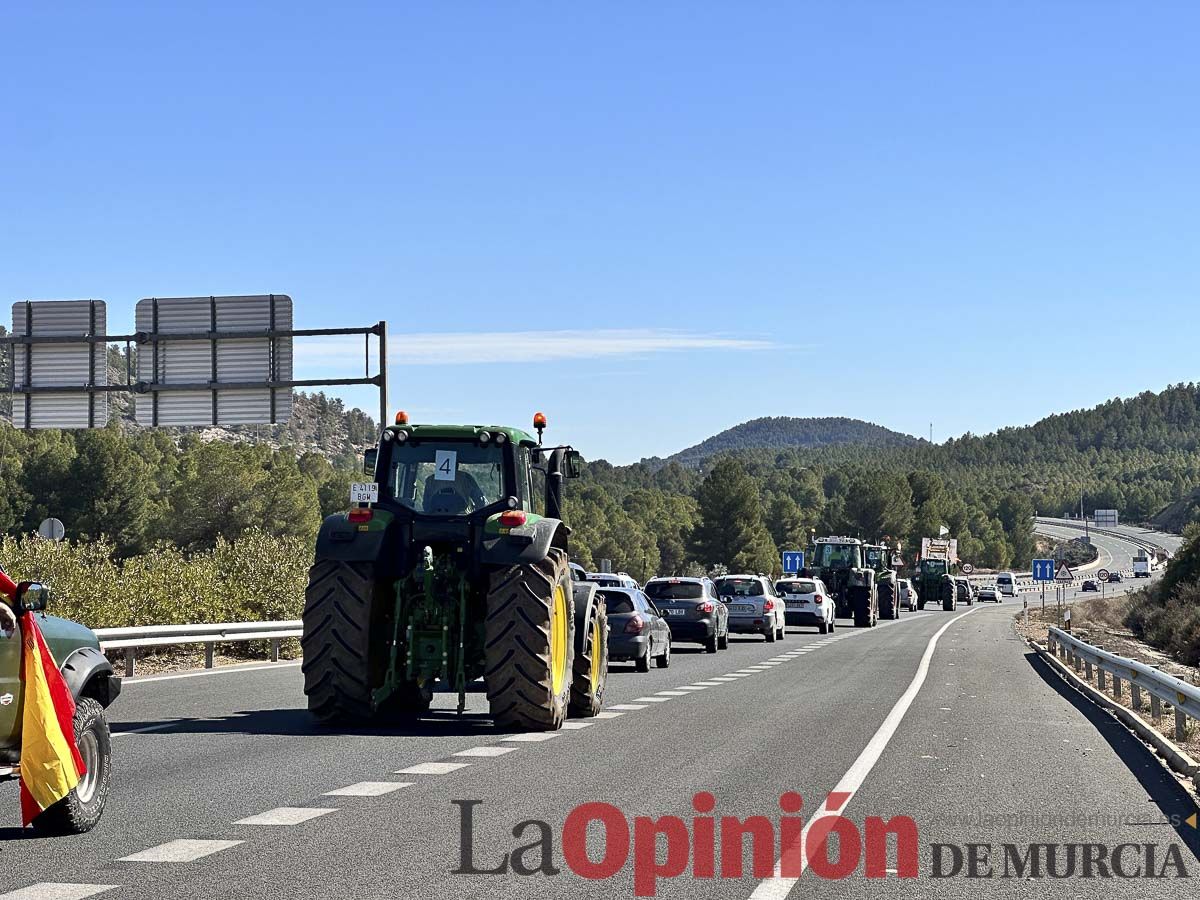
(512, 518)
(704, 607)
(360, 514)
(768, 605)
(634, 625)
(818, 599)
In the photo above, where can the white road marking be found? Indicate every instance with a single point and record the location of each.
(57, 890)
(608, 715)
(755, 668)
(432, 768)
(671, 693)
(530, 737)
(626, 706)
(232, 670)
(179, 852)
(651, 699)
(708, 683)
(162, 726)
(485, 751)
(721, 678)
(692, 687)
(286, 815)
(777, 887)
(368, 789)
(575, 726)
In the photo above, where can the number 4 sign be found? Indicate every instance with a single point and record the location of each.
(445, 465)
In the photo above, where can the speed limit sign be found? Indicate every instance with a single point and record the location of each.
(967, 568)
(1102, 574)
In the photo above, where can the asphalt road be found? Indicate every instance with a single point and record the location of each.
(972, 737)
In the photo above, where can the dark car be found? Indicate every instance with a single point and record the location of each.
(637, 631)
(1089, 585)
(694, 612)
(1114, 577)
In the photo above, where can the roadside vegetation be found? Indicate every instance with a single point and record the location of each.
(1167, 614)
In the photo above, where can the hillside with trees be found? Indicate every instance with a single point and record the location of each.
(782, 432)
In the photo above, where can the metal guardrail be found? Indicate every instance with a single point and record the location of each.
(130, 639)
(1182, 697)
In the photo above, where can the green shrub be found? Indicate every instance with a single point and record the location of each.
(255, 577)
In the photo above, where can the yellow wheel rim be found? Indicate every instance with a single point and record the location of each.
(594, 671)
(558, 640)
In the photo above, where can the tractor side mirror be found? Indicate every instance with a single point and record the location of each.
(369, 457)
(32, 596)
(572, 464)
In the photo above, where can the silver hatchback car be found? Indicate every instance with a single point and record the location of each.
(753, 606)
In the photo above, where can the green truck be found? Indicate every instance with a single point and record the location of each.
(90, 679)
(454, 567)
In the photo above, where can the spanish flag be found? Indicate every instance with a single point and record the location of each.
(50, 762)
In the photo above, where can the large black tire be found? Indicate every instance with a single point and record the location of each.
(346, 622)
(81, 809)
(519, 636)
(949, 591)
(865, 613)
(889, 603)
(711, 643)
(587, 689)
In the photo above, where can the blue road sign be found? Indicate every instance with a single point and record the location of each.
(793, 560)
(1043, 570)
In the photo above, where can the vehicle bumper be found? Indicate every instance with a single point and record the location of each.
(624, 647)
(693, 630)
(803, 617)
(749, 625)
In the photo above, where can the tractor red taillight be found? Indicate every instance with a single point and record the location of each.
(360, 514)
(634, 625)
(513, 518)
(705, 607)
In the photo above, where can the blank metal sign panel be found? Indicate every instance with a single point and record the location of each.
(211, 364)
(60, 364)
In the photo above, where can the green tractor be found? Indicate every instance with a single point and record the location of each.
(934, 581)
(883, 561)
(454, 567)
(840, 563)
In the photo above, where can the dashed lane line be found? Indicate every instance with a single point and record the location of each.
(671, 693)
(651, 699)
(575, 726)
(369, 788)
(286, 815)
(626, 706)
(181, 851)
(608, 715)
(484, 751)
(530, 737)
(432, 768)
(57, 890)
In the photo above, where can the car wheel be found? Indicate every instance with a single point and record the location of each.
(81, 809)
(822, 628)
(664, 658)
(643, 662)
(710, 643)
(723, 640)
(770, 634)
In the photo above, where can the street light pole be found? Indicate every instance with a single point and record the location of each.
(1086, 533)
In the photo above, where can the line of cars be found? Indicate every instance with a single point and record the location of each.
(644, 621)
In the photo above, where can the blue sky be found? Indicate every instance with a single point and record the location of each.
(652, 221)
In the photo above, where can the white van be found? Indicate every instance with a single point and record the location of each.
(1006, 584)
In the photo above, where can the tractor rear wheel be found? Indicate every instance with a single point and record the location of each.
(529, 644)
(343, 610)
(591, 663)
(889, 606)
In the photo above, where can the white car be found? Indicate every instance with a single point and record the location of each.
(753, 606)
(611, 580)
(908, 595)
(806, 601)
(1006, 584)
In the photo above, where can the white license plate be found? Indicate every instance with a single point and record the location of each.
(675, 612)
(796, 604)
(743, 608)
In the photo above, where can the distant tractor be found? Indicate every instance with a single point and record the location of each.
(448, 571)
(882, 560)
(934, 581)
(841, 564)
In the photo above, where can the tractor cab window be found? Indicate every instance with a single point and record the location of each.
(874, 558)
(446, 478)
(839, 556)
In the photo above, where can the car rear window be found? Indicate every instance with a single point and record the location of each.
(606, 580)
(675, 590)
(617, 602)
(796, 587)
(740, 587)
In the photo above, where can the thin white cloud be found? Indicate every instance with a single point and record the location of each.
(459, 348)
